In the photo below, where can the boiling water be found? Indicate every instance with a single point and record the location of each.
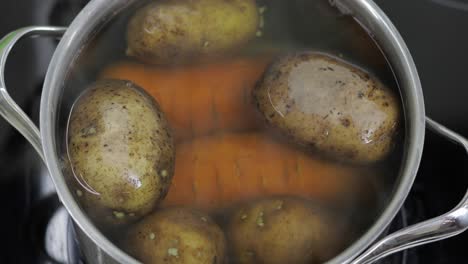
(287, 26)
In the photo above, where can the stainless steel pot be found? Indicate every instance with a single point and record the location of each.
(97, 248)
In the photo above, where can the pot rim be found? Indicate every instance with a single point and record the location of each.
(379, 26)
(97, 12)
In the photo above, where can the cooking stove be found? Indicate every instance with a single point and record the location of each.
(35, 228)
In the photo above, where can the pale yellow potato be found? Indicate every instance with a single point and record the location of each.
(330, 106)
(177, 31)
(177, 235)
(121, 151)
(282, 230)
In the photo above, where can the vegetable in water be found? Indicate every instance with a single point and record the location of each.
(174, 32)
(217, 171)
(282, 229)
(329, 105)
(177, 235)
(121, 151)
(199, 100)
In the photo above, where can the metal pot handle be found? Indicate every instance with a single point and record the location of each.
(438, 228)
(8, 108)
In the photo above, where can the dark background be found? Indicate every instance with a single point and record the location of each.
(436, 32)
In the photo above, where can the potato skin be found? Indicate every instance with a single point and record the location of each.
(280, 230)
(177, 235)
(121, 151)
(329, 105)
(177, 31)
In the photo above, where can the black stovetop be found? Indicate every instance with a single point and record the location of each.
(435, 32)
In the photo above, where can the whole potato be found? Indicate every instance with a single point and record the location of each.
(282, 230)
(177, 235)
(329, 105)
(121, 151)
(176, 31)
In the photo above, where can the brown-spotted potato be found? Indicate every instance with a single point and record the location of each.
(120, 150)
(172, 32)
(177, 236)
(328, 105)
(280, 230)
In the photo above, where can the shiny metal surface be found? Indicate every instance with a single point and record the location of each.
(90, 20)
(8, 108)
(369, 15)
(92, 252)
(441, 227)
(377, 24)
(96, 246)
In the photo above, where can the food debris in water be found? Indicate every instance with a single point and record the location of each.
(88, 131)
(119, 215)
(261, 23)
(280, 205)
(262, 9)
(152, 236)
(174, 252)
(260, 221)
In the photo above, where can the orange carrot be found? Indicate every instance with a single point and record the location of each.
(216, 171)
(199, 99)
